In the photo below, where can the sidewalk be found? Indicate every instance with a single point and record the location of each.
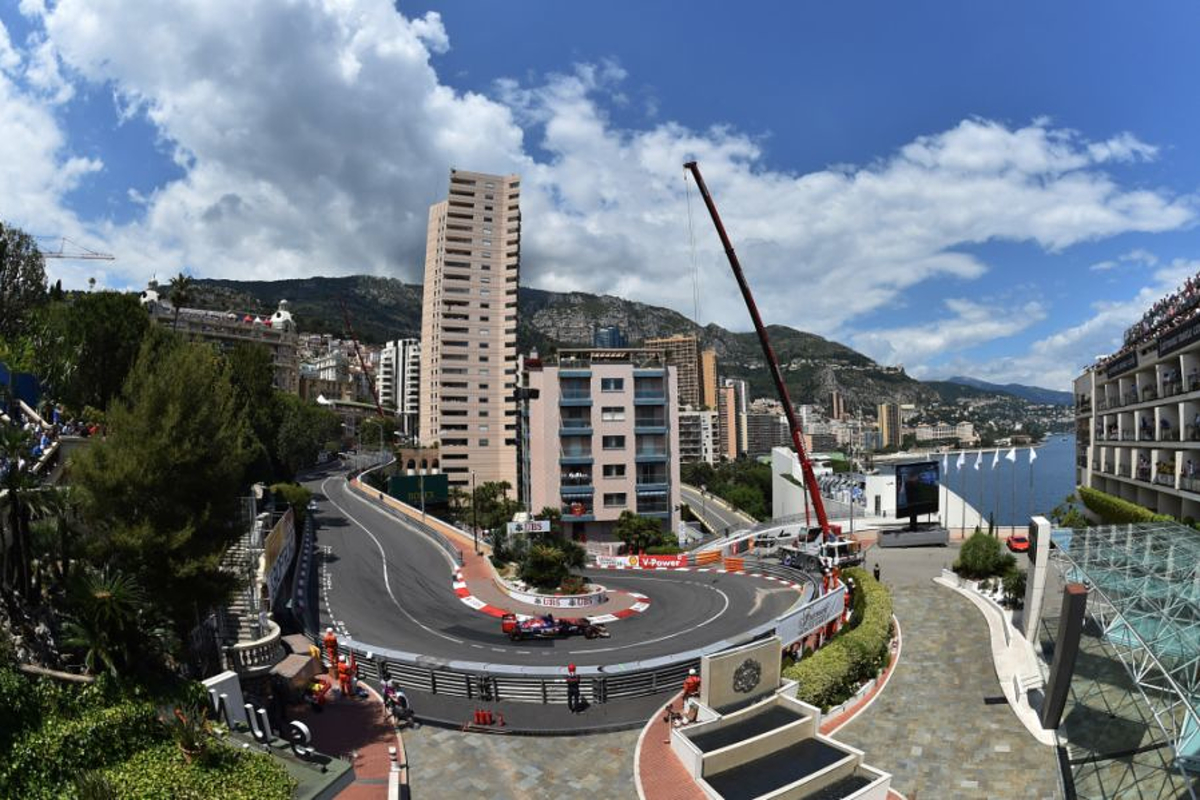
(548, 719)
(357, 730)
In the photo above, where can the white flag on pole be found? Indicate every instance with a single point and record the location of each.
(978, 458)
(1012, 455)
(945, 463)
(1032, 455)
(962, 459)
(996, 458)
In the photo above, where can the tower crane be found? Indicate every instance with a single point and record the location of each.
(362, 361)
(79, 252)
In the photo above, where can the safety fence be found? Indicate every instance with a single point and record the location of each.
(484, 681)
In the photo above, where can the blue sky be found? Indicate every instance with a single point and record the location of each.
(987, 189)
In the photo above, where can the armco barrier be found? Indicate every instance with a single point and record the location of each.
(528, 684)
(429, 526)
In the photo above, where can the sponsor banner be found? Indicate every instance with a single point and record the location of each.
(535, 526)
(643, 561)
(279, 547)
(1178, 339)
(810, 617)
(559, 601)
(1127, 361)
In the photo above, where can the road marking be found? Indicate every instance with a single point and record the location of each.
(383, 557)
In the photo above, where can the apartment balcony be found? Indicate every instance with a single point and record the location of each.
(577, 511)
(1191, 484)
(1128, 436)
(1165, 480)
(1081, 462)
(1108, 469)
(1172, 388)
(650, 457)
(575, 398)
(574, 372)
(575, 430)
(1193, 433)
(1143, 474)
(651, 487)
(1123, 470)
(578, 490)
(1149, 393)
(650, 427)
(649, 398)
(575, 457)
(649, 372)
(1169, 435)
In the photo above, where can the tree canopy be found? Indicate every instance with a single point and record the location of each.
(161, 492)
(22, 280)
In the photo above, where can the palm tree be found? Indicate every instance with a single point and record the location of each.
(104, 622)
(180, 294)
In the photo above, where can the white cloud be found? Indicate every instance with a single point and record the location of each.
(314, 135)
(1055, 361)
(1103, 266)
(10, 59)
(972, 323)
(1140, 256)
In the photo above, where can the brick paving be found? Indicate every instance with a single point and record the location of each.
(930, 728)
(446, 763)
(662, 773)
(358, 731)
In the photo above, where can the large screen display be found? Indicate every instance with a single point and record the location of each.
(917, 488)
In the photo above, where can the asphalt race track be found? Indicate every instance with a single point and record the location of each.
(385, 584)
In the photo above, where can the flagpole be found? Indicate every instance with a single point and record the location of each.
(1032, 458)
(962, 501)
(1014, 484)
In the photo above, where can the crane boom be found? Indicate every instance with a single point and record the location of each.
(810, 477)
(362, 362)
(81, 253)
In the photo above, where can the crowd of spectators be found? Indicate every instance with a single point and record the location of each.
(1168, 313)
(43, 433)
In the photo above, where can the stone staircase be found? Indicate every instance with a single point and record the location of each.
(238, 620)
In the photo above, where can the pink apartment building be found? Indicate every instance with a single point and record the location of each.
(603, 439)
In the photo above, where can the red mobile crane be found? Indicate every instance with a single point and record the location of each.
(362, 362)
(810, 478)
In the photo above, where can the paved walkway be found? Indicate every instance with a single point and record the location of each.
(358, 731)
(469, 766)
(931, 728)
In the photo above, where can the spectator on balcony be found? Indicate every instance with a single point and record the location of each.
(1164, 430)
(1189, 469)
(1146, 430)
(1193, 379)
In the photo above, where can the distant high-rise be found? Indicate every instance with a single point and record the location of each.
(469, 328)
(708, 379)
(889, 425)
(400, 382)
(609, 336)
(732, 406)
(681, 352)
(837, 405)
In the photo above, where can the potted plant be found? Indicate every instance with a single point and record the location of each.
(190, 729)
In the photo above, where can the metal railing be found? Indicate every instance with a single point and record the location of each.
(424, 527)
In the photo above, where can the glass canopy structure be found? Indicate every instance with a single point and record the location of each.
(1144, 594)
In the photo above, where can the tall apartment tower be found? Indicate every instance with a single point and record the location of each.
(708, 379)
(400, 382)
(469, 328)
(682, 353)
(889, 425)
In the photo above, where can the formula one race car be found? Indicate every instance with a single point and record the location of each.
(547, 627)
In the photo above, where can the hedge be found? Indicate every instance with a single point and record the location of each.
(833, 674)
(159, 772)
(40, 763)
(1113, 510)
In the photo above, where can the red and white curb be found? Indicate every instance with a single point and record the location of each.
(464, 594)
(790, 584)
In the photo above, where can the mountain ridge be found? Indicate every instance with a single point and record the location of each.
(386, 308)
(1034, 394)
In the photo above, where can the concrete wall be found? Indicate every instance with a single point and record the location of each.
(717, 673)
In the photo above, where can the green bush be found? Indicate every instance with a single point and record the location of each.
(982, 557)
(1113, 510)
(161, 772)
(664, 550)
(544, 567)
(832, 674)
(41, 762)
(297, 497)
(1014, 586)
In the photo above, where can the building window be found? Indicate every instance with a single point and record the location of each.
(613, 413)
(614, 443)
(483, 442)
(615, 500)
(612, 384)
(483, 428)
(614, 470)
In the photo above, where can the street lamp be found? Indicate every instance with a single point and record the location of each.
(474, 514)
(703, 504)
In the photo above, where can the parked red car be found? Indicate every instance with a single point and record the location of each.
(1018, 543)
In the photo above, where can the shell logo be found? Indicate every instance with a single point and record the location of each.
(633, 561)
